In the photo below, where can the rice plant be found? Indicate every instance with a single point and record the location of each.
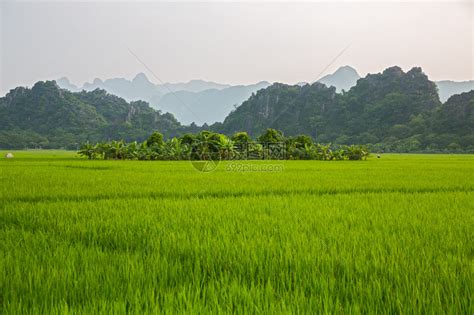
(390, 235)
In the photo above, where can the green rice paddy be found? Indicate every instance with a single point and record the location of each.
(389, 235)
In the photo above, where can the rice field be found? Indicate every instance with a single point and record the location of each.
(389, 235)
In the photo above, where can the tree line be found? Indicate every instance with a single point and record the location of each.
(207, 145)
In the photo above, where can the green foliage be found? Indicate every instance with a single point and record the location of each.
(20, 139)
(301, 141)
(88, 150)
(188, 139)
(271, 136)
(208, 145)
(156, 139)
(241, 137)
(456, 116)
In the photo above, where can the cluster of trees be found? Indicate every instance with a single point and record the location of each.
(207, 145)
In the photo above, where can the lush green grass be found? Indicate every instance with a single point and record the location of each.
(385, 235)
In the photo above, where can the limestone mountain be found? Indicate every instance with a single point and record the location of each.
(392, 110)
(50, 117)
(342, 79)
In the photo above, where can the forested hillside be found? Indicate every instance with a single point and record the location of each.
(49, 117)
(392, 110)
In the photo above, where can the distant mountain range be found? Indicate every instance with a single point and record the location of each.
(446, 89)
(206, 106)
(391, 111)
(343, 79)
(196, 101)
(346, 77)
(140, 87)
(206, 102)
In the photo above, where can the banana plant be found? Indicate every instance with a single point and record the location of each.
(326, 152)
(131, 151)
(117, 149)
(175, 150)
(143, 152)
(227, 147)
(88, 150)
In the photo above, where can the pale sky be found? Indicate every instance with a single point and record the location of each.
(236, 43)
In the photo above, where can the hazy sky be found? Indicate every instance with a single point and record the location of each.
(241, 42)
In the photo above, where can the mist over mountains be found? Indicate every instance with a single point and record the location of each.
(196, 101)
(343, 79)
(207, 102)
(447, 88)
(208, 106)
(140, 87)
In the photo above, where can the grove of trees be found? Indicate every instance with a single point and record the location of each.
(205, 145)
